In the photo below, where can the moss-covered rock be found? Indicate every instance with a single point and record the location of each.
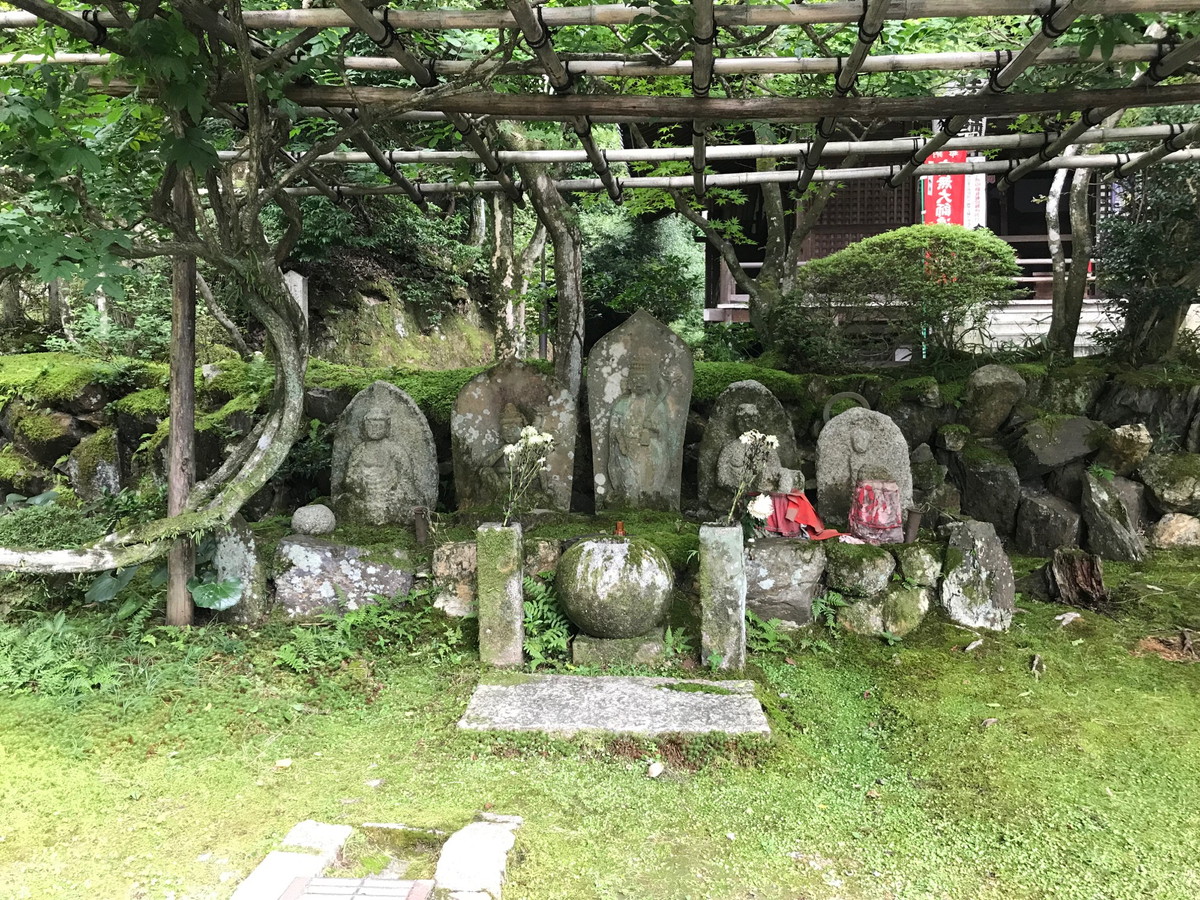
(93, 467)
(21, 475)
(500, 558)
(905, 607)
(615, 587)
(920, 563)
(991, 393)
(45, 435)
(857, 570)
(1173, 481)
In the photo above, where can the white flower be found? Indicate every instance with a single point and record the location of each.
(761, 507)
(749, 437)
(511, 450)
(541, 460)
(528, 432)
(771, 441)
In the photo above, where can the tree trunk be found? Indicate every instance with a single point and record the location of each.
(1058, 259)
(1070, 284)
(217, 312)
(11, 313)
(56, 310)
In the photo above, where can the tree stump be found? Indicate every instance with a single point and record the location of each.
(1076, 578)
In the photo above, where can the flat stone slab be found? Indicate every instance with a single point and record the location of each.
(566, 704)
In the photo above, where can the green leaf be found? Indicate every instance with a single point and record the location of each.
(107, 585)
(216, 595)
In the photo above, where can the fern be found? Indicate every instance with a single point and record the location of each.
(547, 629)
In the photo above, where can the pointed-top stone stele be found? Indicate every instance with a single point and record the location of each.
(639, 381)
(384, 459)
(490, 412)
(854, 446)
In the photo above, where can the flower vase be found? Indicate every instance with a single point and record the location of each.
(499, 567)
(722, 596)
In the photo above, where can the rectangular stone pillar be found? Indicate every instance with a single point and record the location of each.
(722, 597)
(499, 553)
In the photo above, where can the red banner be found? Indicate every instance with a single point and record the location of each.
(944, 197)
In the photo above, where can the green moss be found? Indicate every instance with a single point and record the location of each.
(1170, 468)
(380, 542)
(48, 378)
(93, 450)
(216, 421)
(912, 390)
(49, 527)
(694, 687)
(980, 455)
(149, 403)
(961, 430)
(39, 427)
(19, 470)
(713, 377)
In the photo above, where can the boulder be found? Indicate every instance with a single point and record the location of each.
(991, 393)
(977, 588)
(897, 612)
(919, 421)
(1173, 481)
(990, 485)
(1066, 391)
(1051, 442)
(236, 559)
(314, 519)
(953, 438)
(1133, 495)
(1136, 398)
(919, 563)
(858, 570)
(1045, 523)
(93, 467)
(1124, 448)
(315, 575)
(326, 404)
(44, 435)
(1110, 532)
(782, 577)
(615, 587)
(1175, 530)
(1067, 482)
(927, 473)
(453, 572)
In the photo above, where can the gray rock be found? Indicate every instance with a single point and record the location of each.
(722, 596)
(453, 571)
(977, 589)
(919, 421)
(615, 587)
(944, 498)
(1045, 523)
(990, 485)
(927, 473)
(473, 860)
(1110, 532)
(315, 575)
(44, 435)
(236, 559)
(782, 577)
(1046, 444)
(489, 413)
(499, 576)
(647, 650)
(326, 404)
(857, 570)
(93, 467)
(1173, 482)
(991, 393)
(897, 612)
(314, 519)
(919, 563)
(1175, 530)
(1066, 392)
(1133, 496)
(639, 382)
(854, 446)
(567, 704)
(1166, 409)
(1067, 482)
(742, 406)
(953, 438)
(1125, 448)
(384, 460)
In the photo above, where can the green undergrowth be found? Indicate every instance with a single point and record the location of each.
(168, 763)
(47, 378)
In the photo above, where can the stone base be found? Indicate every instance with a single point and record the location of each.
(645, 650)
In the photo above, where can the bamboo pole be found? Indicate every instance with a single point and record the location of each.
(1166, 65)
(630, 107)
(869, 27)
(746, 179)
(1053, 26)
(538, 39)
(738, 16)
(704, 35)
(730, 65)
(384, 35)
(1181, 136)
(890, 147)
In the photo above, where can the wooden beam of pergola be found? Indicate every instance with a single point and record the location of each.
(1181, 136)
(629, 107)
(869, 28)
(684, 68)
(735, 16)
(1166, 65)
(704, 36)
(537, 36)
(888, 147)
(1054, 25)
(775, 176)
(385, 37)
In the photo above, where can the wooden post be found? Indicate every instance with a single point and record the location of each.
(181, 458)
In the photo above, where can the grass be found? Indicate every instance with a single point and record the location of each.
(879, 782)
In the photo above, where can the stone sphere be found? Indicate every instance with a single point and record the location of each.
(315, 519)
(615, 587)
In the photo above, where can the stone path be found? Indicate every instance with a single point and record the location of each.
(346, 888)
(566, 704)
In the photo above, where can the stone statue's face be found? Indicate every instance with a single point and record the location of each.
(860, 441)
(641, 375)
(376, 428)
(747, 413)
(510, 429)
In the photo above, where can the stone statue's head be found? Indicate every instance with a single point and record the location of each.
(511, 423)
(376, 425)
(745, 417)
(860, 440)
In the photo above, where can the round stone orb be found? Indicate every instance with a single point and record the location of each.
(615, 587)
(314, 519)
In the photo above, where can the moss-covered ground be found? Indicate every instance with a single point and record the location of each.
(880, 781)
